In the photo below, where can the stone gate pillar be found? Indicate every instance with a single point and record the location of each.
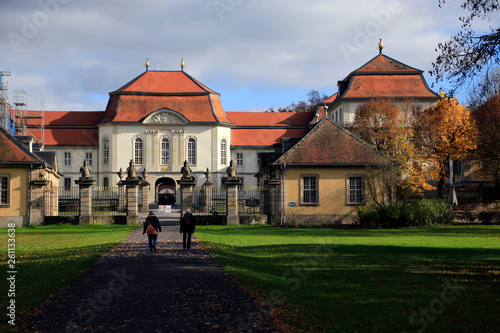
(38, 199)
(186, 193)
(208, 192)
(186, 183)
(232, 200)
(85, 186)
(122, 197)
(144, 185)
(131, 184)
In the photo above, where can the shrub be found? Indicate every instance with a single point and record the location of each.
(413, 213)
(489, 217)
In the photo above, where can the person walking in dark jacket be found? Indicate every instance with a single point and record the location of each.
(152, 227)
(187, 228)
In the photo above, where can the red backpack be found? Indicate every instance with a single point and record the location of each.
(150, 230)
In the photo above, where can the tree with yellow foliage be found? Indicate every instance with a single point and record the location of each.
(444, 131)
(387, 125)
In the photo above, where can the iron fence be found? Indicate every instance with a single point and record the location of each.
(251, 199)
(212, 203)
(108, 201)
(68, 202)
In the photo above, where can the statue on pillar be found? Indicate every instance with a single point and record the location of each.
(85, 169)
(207, 175)
(231, 170)
(121, 174)
(186, 171)
(144, 174)
(131, 171)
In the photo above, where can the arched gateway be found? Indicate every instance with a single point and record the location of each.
(165, 191)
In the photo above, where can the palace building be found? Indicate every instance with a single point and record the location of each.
(162, 118)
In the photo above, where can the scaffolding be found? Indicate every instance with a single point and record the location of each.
(29, 122)
(6, 120)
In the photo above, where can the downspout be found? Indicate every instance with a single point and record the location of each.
(283, 194)
(30, 196)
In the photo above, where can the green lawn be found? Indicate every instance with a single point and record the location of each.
(443, 279)
(50, 258)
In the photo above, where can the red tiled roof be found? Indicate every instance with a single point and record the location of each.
(263, 136)
(58, 118)
(367, 86)
(383, 63)
(135, 108)
(330, 99)
(270, 119)
(172, 82)
(11, 151)
(155, 90)
(382, 77)
(329, 144)
(71, 136)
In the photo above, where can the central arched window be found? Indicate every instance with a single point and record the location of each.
(138, 151)
(223, 152)
(191, 151)
(165, 151)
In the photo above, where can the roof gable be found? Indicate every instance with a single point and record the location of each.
(383, 63)
(165, 82)
(173, 90)
(384, 77)
(329, 144)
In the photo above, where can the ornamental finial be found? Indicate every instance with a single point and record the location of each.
(380, 46)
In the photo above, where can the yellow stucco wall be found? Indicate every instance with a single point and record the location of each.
(18, 192)
(332, 191)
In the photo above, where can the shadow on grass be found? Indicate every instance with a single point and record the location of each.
(454, 231)
(372, 288)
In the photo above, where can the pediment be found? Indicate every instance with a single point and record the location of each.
(165, 116)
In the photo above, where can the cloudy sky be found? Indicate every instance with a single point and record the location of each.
(256, 53)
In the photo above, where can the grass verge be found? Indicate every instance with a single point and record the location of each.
(441, 279)
(50, 258)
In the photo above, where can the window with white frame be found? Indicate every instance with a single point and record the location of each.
(355, 195)
(67, 158)
(310, 187)
(223, 152)
(105, 151)
(138, 151)
(88, 157)
(165, 151)
(4, 190)
(67, 183)
(239, 159)
(191, 151)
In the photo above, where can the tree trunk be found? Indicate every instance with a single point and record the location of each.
(441, 188)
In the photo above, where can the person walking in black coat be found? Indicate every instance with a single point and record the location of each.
(152, 227)
(187, 228)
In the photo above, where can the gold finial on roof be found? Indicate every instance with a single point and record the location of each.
(380, 46)
(182, 65)
(147, 64)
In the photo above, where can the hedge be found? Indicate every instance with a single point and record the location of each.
(413, 213)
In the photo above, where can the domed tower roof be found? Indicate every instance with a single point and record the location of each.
(175, 91)
(384, 77)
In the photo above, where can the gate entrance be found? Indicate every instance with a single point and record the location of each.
(165, 191)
